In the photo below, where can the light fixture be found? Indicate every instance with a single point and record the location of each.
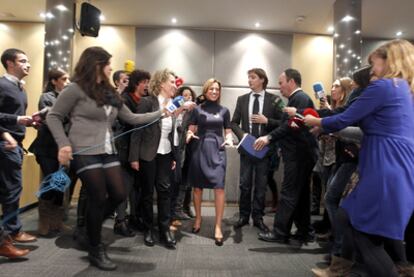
(345, 60)
(357, 32)
(70, 30)
(46, 15)
(173, 20)
(331, 29)
(342, 46)
(65, 37)
(102, 17)
(336, 35)
(349, 51)
(300, 18)
(399, 33)
(347, 18)
(257, 24)
(61, 8)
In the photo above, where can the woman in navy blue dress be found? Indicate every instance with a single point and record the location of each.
(382, 203)
(208, 162)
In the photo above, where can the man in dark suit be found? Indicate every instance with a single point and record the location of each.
(299, 153)
(258, 114)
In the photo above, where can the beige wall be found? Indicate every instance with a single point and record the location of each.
(117, 40)
(313, 57)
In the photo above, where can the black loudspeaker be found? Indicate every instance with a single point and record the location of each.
(89, 20)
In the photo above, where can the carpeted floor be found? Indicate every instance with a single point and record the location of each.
(196, 255)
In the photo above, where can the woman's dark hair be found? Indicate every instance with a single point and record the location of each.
(181, 90)
(362, 76)
(87, 71)
(53, 74)
(136, 77)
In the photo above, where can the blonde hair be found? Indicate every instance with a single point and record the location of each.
(208, 84)
(345, 84)
(399, 60)
(159, 77)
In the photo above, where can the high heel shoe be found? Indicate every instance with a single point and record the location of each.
(218, 241)
(195, 230)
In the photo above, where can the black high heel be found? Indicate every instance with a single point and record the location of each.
(218, 241)
(195, 230)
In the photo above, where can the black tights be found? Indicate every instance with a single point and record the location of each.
(105, 191)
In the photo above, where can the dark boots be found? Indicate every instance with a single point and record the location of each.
(98, 257)
(121, 227)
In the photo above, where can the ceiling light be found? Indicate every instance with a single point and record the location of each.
(173, 20)
(70, 30)
(349, 51)
(331, 29)
(46, 15)
(61, 8)
(347, 18)
(300, 18)
(6, 14)
(357, 32)
(336, 35)
(65, 37)
(345, 60)
(399, 33)
(257, 24)
(102, 17)
(341, 46)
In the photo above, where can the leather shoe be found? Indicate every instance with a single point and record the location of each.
(148, 238)
(122, 228)
(7, 249)
(304, 238)
(23, 237)
(260, 224)
(241, 222)
(180, 215)
(168, 239)
(218, 241)
(271, 236)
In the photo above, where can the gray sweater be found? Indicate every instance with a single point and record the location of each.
(88, 122)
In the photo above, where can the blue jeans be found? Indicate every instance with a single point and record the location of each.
(334, 191)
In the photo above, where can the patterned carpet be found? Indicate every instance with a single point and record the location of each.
(196, 255)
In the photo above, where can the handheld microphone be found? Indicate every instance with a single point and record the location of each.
(319, 91)
(310, 111)
(129, 66)
(179, 81)
(175, 104)
(296, 122)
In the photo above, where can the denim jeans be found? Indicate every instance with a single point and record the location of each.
(335, 188)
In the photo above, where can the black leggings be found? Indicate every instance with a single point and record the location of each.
(105, 191)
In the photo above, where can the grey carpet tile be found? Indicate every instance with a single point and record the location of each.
(196, 254)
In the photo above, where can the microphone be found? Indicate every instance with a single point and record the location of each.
(129, 66)
(179, 81)
(310, 111)
(319, 91)
(175, 104)
(296, 122)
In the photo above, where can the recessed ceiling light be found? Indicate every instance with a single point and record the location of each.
(300, 18)
(399, 33)
(61, 8)
(46, 15)
(331, 29)
(102, 17)
(342, 46)
(336, 35)
(257, 24)
(357, 32)
(347, 18)
(173, 20)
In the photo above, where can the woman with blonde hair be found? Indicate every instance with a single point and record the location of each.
(208, 161)
(381, 205)
(151, 154)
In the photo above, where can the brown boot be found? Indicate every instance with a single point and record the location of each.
(339, 268)
(56, 224)
(405, 270)
(7, 249)
(44, 217)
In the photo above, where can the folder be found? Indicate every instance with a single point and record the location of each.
(246, 147)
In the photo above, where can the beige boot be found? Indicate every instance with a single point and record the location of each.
(56, 223)
(339, 268)
(44, 217)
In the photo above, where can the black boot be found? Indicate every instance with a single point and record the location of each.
(121, 227)
(148, 238)
(98, 257)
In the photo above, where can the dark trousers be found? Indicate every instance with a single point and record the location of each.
(11, 187)
(409, 239)
(253, 172)
(157, 173)
(129, 182)
(294, 204)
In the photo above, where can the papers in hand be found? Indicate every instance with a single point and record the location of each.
(246, 147)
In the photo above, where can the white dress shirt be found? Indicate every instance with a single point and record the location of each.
(251, 102)
(166, 127)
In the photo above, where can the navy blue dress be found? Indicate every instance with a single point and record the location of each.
(383, 200)
(208, 162)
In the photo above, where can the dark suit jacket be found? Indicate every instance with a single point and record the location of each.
(241, 115)
(296, 144)
(144, 142)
